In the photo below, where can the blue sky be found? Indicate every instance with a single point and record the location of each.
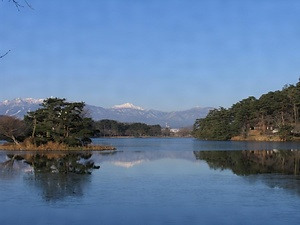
(159, 54)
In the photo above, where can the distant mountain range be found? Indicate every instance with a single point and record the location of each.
(124, 113)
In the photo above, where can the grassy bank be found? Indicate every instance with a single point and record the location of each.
(53, 146)
(255, 135)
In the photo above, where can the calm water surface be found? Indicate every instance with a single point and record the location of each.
(154, 181)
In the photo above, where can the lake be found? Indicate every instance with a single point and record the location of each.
(154, 181)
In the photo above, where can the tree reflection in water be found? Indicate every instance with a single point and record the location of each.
(253, 162)
(277, 169)
(56, 175)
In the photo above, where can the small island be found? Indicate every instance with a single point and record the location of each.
(57, 125)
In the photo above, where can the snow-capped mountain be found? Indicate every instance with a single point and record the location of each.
(19, 107)
(20, 101)
(127, 112)
(127, 106)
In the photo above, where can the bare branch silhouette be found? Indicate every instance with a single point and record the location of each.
(18, 6)
(30, 6)
(1, 56)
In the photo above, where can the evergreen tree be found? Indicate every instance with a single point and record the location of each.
(216, 125)
(60, 121)
(244, 116)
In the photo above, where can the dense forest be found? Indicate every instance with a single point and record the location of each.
(112, 128)
(273, 114)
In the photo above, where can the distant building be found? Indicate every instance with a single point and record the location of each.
(173, 130)
(275, 131)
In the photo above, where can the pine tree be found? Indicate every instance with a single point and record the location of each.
(60, 121)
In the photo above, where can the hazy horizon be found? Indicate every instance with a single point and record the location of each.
(168, 55)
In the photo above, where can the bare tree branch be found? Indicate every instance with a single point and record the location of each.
(1, 56)
(30, 6)
(17, 4)
(12, 128)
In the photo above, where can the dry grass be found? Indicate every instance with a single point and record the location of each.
(255, 135)
(53, 146)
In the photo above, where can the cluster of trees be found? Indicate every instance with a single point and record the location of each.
(60, 121)
(276, 110)
(56, 121)
(111, 128)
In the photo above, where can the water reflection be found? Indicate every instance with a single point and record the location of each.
(78, 163)
(12, 167)
(253, 162)
(56, 176)
(129, 159)
(240, 162)
(58, 186)
(60, 175)
(276, 169)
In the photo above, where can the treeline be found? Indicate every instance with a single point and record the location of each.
(276, 112)
(112, 128)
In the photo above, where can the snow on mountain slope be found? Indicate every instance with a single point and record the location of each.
(127, 106)
(20, 101)
(19, 107)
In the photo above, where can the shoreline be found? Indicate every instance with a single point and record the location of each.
(13, 147)
(236, 138)
(252, 136)
(125, 137)
(259, 139)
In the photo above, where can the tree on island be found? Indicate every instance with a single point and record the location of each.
(60, 122)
